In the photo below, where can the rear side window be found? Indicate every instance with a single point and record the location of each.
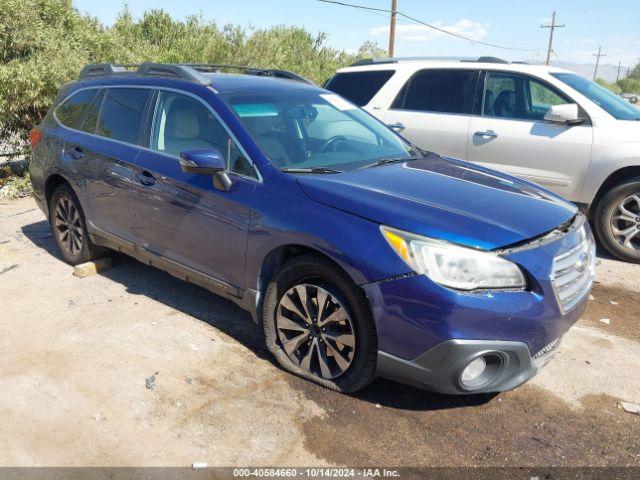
(440, 91)
(122, 114)
(359, 87)
(73, 111)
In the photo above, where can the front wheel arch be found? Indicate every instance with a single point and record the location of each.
(612, 181)
(607, 210)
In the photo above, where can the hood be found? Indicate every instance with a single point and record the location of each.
(445, 199)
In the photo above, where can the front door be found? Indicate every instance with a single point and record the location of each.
(432, 110)
(511, 134)
(181, 216)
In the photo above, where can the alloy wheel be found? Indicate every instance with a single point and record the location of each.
(68, 225)
(625, 222)
(315, 331)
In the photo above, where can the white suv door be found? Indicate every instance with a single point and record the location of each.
(432, 109)
(511, 135)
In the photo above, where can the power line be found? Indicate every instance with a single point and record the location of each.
(434, 27)
(558, 58)
(551, 28)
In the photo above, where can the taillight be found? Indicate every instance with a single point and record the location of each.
(35, 136)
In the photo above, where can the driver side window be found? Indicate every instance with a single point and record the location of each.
(508, 95)
(181, 123)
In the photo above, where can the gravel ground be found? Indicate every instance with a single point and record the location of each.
(75, 354)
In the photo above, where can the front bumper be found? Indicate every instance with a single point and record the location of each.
(440, 368)
(427, 334)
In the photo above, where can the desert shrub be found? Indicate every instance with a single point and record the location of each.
(45, 43)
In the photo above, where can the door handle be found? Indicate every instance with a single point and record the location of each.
(396, 127)
(146, 178)
(76, 153)
(487, 134)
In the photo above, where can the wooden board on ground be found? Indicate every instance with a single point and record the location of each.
(91, 268)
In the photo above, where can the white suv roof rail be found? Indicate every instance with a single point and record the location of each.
(372, 61)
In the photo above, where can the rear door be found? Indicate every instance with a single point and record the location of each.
(100, 155)
(181, 216)
(511, 135)
(433, 110)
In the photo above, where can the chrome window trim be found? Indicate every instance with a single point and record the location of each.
(259, 178)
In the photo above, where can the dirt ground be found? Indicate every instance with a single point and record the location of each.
(75, 353)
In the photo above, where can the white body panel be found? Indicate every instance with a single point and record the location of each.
(572, 161)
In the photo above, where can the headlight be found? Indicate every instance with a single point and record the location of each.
(454, 266)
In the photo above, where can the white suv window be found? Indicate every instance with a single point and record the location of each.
(438, 91)
(510, 95)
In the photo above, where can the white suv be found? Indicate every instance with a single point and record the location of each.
(544, 124)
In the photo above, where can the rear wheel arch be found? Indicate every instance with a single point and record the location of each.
(53, 182)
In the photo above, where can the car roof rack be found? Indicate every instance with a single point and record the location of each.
(378, 61)
(192, 72)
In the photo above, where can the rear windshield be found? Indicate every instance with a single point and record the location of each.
(359, 87)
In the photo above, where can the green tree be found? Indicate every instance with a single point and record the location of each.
(45, 43)
(614, 87)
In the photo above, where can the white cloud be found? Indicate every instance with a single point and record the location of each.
(420, 33)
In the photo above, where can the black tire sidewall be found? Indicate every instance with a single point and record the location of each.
(88, 251)
(602, 219)
(314, 270)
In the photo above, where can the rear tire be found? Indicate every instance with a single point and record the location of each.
(332, 340)
(617, 221)
(69, 227)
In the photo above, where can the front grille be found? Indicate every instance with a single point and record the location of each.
(573, 272)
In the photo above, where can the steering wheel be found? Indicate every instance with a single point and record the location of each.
(333, 141)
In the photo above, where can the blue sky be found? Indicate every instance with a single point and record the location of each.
(615, 25)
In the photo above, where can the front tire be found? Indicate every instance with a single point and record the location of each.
(69, 227)
(617, 221)
(318, 325)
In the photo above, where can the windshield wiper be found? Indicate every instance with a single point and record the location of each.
(310, 170)
(385, 161)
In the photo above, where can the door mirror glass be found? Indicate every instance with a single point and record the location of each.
(207, 161)
(565, 114)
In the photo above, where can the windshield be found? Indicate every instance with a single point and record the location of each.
(311, 129)
(609, 101)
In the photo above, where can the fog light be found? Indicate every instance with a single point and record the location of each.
(482, 370)
(473, 371)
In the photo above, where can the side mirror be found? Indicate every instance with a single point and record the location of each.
(206, 161)
(565, 114)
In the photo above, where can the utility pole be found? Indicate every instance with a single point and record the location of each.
(392, 28)
(551, 28)
(597, 55)
(618, 74)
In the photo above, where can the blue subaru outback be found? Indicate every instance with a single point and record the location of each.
(357, 252)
